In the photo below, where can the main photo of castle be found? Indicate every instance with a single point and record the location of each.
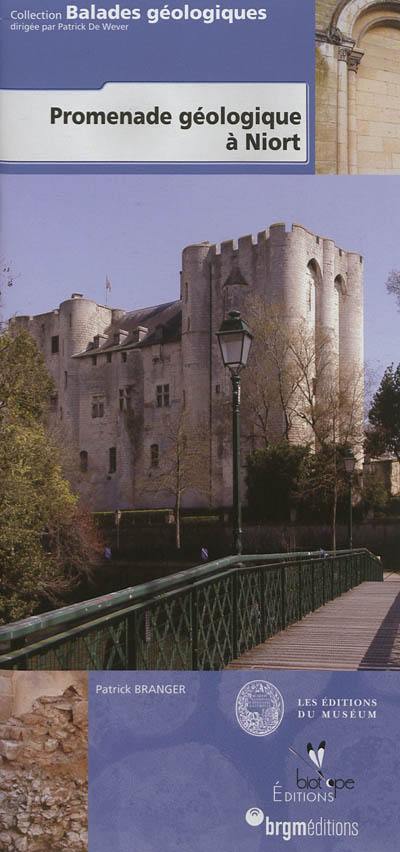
(121, 454)
(127, 383)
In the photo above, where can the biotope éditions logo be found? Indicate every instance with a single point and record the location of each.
(309, 789)
(259, 708)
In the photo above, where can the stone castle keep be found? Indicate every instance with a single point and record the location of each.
(122, 378)
(358, 86)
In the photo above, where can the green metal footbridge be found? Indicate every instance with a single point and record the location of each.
(202, 618)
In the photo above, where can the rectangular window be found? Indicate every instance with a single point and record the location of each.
(54, 402)
(217, 388)
(154, 455)
(112, 459)
(162, 395)
(83, 461)
(109, 357)
(55, 344)
(125, 398)
(94, 360)
(98, 408)
(65, 379)
(124, 356)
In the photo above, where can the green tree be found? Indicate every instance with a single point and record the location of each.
(384, 415)
(323, 486)
(47, 542)
(273, 480)
(375, 496)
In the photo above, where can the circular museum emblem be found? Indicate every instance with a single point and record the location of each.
(259, 708)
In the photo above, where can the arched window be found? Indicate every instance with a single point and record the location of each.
(313, 280)
(83, 461)
(340, 285)
(358, 123)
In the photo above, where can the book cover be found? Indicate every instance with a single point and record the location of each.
(199, 426)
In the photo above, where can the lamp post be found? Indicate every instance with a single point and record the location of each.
(234, 338)
(349, 465)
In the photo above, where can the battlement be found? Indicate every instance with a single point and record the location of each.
(278, 232)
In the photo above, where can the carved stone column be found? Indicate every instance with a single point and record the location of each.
(353, 62)
(343, 110)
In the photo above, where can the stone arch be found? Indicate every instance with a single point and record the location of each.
(348, 12)
(360, 50)
(313, 294)
(340, 285)
(315, 270)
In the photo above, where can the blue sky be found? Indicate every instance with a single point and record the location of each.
(65, 233)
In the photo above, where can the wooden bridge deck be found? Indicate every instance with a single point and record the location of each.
(360, 630)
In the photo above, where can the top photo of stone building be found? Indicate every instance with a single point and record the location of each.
(358, 87)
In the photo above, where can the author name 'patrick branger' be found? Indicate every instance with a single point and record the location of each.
(141, 689)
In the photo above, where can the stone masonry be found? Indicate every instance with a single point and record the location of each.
(43, 776)
(121, 378)
(358, 87)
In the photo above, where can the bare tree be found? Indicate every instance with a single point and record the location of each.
(336, 425)
(393, 285)
(7, 279)
(271, 380)
(315, 365)
(295, 392)
(180, 464)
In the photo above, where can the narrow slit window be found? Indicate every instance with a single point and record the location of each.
(112, 460)
(154, 455)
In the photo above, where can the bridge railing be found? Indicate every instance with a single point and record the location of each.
(201, 618)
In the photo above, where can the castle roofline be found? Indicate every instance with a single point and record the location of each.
(160, 324)
(276, 228)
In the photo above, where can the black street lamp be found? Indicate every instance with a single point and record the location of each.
(349, 465)
(234, 338)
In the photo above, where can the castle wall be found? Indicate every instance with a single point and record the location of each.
(146, 391)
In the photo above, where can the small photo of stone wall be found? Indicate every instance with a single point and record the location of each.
(43, 762)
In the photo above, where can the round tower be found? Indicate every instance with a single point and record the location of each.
(196, 327)
(351, 336)
(196, 346)
(79, 320)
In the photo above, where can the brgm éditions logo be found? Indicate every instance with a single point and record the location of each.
(254, 817)
(259, 708)
(308, 789)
